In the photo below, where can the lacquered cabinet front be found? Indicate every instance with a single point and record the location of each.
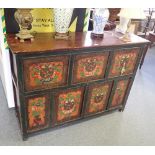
(123, 62)
(59, 82)
(119, 92)
(45, 72)
(37, 112)
(68, 104)
(88, 67)
(98, 95)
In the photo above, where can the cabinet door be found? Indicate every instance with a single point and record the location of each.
(120, 89)
(98, 95)
(37, 110)
(123, 62)
(68, 104)
(45, 73)
(89, 67)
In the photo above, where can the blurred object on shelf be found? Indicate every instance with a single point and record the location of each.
(100, 17)
(126, 14)
(110, 26)
(148, 24)
(24, 19)
(111, 23)
(151, 38)
(114, 14)
(62, 19)
(123, 24)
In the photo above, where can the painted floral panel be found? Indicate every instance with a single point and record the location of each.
(69, 104)
(123, 63)
(119, 93)
(89, 67)
(98, 98)
(45, 72)
(37, 113)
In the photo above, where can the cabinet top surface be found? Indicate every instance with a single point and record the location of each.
(45, 42)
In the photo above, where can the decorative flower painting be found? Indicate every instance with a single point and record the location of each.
(69, 104)
(37, 113)
(88, 67)
(98, 98)
(45, 73)
(123, 63)
(119, 93)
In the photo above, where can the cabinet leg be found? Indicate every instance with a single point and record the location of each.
(24, 137)
(120, 109)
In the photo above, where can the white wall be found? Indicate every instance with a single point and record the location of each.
(5, 70)
(1, 55)
(2, 73)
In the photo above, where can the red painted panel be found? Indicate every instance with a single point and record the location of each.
(37, 112)
(43, 73)
(68, 104)
(123, 63)
(89, 67)
(119, 93)
(98, 97)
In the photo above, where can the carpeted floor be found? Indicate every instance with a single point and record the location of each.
(135, 126)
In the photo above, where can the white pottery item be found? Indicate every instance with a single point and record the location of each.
(62, 18)
(100, 18)
(122, 27)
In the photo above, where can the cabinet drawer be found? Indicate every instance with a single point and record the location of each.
(68, 104)
(98, 95)
(123, 62)
(37, 112)
(120, 89)
(89, 67)
(45, 73)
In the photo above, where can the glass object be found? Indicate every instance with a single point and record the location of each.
(100, 17)
(126, 14)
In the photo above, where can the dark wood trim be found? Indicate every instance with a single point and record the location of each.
(77, 42)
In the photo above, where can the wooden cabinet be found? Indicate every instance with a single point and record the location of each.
(57, 82)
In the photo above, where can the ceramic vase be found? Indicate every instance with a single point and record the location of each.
(100, 17)
(62, 19)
